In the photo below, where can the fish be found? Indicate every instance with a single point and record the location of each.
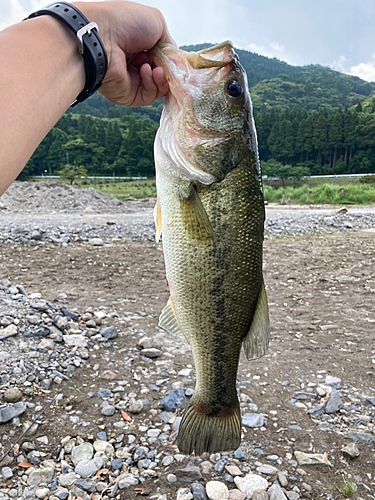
(210, 213)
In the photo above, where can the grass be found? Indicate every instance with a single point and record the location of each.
(348, 487)
(125, 190)
(328, 193)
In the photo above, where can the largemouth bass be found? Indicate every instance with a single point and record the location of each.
(210, 211)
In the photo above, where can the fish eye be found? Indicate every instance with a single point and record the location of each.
(234, 89)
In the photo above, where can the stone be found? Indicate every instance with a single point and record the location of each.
(109, 332)
(43, 475)
(107, 409)
(12, 395)
(334, 402)
(171, 478)
(7, 473)
(332, 380)
(62, 494)
(9, 331)
(350, 450)
(95, 242)
(260, 495)
(140, 453)
(145, 342)
(266, 469)
(311, 458)
(276, 493)
(105, 447)
(86, 484)
(86, 468)
(173, 400)
(127, 481)
(206, 467)
(189, 475)
(283, 480)
(184, 494)
(108, 375)
(84, 451)
(253, 420)
(41, 492)
(217, 491)
(75, 340)
(357, 437)
(233, 470)
(151, 352)
(238, 495)
(135, 406)
(250, 483)
(8, 413)
(239, 454)
(66, 480)
(292, 495)
(198, 491)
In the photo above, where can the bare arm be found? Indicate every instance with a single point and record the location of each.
(42, 73)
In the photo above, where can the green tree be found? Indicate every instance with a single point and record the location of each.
(73, 172)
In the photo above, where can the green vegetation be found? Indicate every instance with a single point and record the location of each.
(125, 190)
(324, 194)
(72, 172)
(348, 487)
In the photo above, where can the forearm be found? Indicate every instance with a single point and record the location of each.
(41, 74)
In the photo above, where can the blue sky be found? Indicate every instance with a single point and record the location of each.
(334, 33)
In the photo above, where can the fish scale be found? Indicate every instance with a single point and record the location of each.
(212, 242)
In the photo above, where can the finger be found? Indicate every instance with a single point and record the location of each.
(148, 89)
(160, 80)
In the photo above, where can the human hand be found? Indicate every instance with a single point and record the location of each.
(128, 31)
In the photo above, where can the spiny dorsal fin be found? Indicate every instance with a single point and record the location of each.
(258, 337)
(195, 221)
(157, 219)
(168, 319)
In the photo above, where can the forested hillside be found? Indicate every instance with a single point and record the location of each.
(306, 116)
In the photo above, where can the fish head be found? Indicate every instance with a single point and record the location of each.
(207, 127)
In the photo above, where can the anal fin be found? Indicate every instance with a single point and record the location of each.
(258, 337)
(168, 319)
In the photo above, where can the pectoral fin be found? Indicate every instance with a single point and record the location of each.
(195, 222)
(168, 319)
(157, 219)
(257, 339)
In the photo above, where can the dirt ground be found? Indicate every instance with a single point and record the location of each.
(311, 281)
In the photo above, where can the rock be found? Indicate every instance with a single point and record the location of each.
(109, 332)
(12, 395)
(171, 478)
(292, 495)
(184, 494)
(276, 493)
(217, 491)
(198, 491)
(43, 475)
(86, 468)
(253, 420)
(350, 450)
(96, 242)
(127, 481)
(9, 331)
(283, 480)
(66, 480)
(75, 340)
(7, 473)
(334, 402)
(108, 375)
(135, 406)
(41, 492)
(266, 469)
(86, 484)
(140, 453)
(233, 470)
(239, 454)
(173, 400)
(357, 437)
(260, 495)
(189, 475)
(151, 352)
(145, 342)
(8, 413)
(238, 495)
(84, 451)
(250, 483)
(105, 447)
(333, 380)
(311, 458)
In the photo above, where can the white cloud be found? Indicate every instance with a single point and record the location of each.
(366, 71)
(277, 47)
(339, 64)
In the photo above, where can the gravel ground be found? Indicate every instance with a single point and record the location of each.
(91, 395)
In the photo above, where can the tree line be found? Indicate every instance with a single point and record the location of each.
(323, 142)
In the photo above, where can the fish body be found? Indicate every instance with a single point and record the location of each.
(210, 211)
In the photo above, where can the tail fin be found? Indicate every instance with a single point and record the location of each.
(200, 432)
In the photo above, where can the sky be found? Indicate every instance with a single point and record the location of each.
(339, 34)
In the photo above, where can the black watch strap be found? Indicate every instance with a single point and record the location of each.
(89, 44)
